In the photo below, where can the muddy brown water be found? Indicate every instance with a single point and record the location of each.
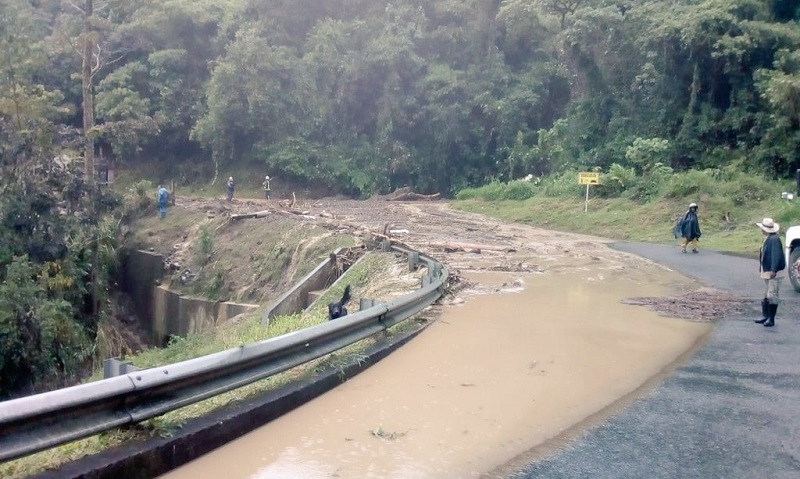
(512, 364)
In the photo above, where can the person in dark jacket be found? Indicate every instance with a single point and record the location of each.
(772, 262)
(688, 228)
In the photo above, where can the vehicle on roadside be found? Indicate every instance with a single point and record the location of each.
(792, 245)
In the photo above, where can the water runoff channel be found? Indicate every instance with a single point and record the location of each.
(518, 361)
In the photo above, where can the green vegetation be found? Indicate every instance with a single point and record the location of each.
(232, 334)
(694, 99)
(206, 244)
(57, 257)
(359, 96)
(643, 207)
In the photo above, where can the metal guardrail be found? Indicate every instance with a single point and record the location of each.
(42, 421)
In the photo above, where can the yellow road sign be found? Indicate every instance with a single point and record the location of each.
(588, 178)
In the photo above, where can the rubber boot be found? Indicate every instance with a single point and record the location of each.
(773, 309)
(764, 312)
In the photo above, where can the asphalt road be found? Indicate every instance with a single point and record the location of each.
(732, 411)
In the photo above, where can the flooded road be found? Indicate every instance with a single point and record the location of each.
(514, 362)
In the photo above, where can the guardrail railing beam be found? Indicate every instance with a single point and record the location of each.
(42, 421)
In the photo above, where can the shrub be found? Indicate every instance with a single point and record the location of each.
(644, 152)
(205, 243)
(563, 185)
(689, 183)
(747, 189)
(787, 214)
(650, 185)
(139, 199)
(616, 181)
(517, 190)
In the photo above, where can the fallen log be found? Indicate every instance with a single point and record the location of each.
(472, 247)
(410, 196)
(257, 214)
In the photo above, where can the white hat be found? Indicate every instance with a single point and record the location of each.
(768, 225)
(693, 205)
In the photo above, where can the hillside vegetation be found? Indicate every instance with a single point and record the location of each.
(646, 209)
(364, 96)
(686, 100)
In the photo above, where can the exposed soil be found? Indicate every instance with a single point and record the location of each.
(249, 250)
(534, 337)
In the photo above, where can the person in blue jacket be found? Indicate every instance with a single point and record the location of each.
(771, 263)
(163, 197)
(688, 227)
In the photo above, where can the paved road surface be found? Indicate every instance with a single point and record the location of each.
(732, 411)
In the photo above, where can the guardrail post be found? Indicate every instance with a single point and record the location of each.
(435, 270)
(365, 303)
(114, 367)
(413, 261)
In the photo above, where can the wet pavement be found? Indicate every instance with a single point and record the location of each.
(731, 411)
(513, 361)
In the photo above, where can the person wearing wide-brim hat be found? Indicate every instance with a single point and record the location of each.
(688, 227)
(771, 262)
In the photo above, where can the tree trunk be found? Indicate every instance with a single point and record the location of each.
(88, 94)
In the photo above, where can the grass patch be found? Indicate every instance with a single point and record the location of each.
(728, 210)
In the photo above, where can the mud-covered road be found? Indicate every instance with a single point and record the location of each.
(467, 241)
(732, 411)
(577, 351)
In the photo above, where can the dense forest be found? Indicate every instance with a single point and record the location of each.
(360, 96)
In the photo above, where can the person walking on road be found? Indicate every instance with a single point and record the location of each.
(771, 263)
(162, 198)
(688, 227)
(229, 188)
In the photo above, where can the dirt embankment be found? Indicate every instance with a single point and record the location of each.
(254, 258)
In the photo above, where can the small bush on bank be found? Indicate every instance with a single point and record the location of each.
(787, 214)
(649, 186)
(618, 179)
(563, 185)
(744, 189)
(689, 183)
(496, 191)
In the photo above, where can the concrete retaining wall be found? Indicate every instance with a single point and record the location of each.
(296, 299)
(182, 315)
(141, 271)
(163, 312)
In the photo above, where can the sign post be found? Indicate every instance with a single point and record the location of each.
(588, 178)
